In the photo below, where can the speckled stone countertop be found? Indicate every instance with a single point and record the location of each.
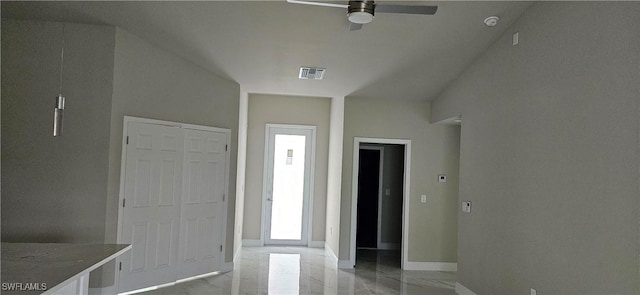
(32, 267)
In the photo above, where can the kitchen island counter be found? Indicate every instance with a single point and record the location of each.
(53, 268)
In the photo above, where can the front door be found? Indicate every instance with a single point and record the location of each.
(289, 154)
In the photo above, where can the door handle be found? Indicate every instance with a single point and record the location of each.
(269, 199)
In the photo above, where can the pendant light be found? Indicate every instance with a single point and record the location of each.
(58, 110)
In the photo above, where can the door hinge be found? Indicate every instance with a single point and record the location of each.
(226, 147)
(224, 196)
(127, 139)
(220, 248)
(124, 201)
(120, 267)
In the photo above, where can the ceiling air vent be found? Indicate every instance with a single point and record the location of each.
(311, 73)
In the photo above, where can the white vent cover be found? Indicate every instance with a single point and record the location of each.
(311, 73)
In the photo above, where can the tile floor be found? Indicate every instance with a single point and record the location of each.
(301, 270)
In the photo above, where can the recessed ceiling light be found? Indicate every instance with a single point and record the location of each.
(491, 21)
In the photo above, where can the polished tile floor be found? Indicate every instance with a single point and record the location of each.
(301, 270)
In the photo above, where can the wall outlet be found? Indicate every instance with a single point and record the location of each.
(466, 206)
(442, 178)
(533, 291)
(515, 38)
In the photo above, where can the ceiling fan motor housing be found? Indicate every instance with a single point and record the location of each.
(361, 12)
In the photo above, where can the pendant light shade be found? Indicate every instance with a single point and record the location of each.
(58, 110)
(58, 113)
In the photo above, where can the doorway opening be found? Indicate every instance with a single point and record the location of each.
(379, 197)
(370, 184)
(289, 154)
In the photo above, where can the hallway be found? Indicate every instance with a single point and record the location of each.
(301, 270)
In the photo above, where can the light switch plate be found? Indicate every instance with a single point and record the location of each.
(423, 198)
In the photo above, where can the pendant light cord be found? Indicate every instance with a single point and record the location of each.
(62, 58)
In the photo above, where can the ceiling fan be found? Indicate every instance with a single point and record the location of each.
(362, 11)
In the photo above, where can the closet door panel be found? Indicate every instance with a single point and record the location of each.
(202, 209)
(151, 211)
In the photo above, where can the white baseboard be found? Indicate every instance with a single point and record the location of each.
(431, 266)
(389, 246)
(100, 291)
(252, 243)
(345, 264)
(462, 290)
(316, 244)
(329, 253)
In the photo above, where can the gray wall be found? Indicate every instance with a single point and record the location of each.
(334, 177)
(54, 189)
(152, 83)
(435, 150)
(241, 172)
(294, 110)
(66, 189)
(549, 154)
(392, 179)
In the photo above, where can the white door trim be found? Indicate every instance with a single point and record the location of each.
(123, 160)
(380, 188)
(405, 193)
(311, 179)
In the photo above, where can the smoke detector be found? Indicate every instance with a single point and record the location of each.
(309, 73)
(491, 21)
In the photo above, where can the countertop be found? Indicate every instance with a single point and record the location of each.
(53, 264)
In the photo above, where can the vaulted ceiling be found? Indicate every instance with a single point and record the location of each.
(262, 44)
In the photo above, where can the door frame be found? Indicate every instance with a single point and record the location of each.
(123, 159)
(265, 185)
(380, 188)
(405, 193)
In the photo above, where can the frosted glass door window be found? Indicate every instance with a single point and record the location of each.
(287, 183)
(288, 187)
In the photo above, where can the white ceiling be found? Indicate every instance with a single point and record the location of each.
(262, 44)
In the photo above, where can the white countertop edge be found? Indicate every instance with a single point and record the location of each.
(88, 270)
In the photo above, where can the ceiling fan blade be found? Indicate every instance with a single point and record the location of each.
(318, 3)
(354, 27)
(408, 9)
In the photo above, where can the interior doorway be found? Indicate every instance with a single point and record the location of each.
(289, 155)
(380, 189)
(370, 182)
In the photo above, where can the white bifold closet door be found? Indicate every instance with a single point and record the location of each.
(201, 219)
(174, 187)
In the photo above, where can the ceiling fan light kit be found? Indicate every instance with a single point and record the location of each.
(360, 12)
(359, 17)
